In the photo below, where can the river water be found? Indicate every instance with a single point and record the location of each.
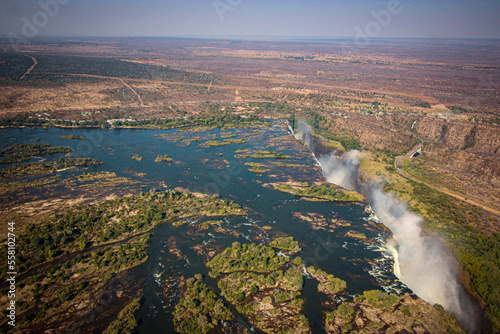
(364, 265)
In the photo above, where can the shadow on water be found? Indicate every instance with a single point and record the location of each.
(312, 300)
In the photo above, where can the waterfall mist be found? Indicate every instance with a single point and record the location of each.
(304, 135)
(341, 170)
(424, 264)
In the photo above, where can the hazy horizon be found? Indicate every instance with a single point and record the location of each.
(259, 38)
(257, 19)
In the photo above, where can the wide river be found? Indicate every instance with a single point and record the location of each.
(364, 265)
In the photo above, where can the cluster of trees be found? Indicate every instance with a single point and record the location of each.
(495, 120)
(283, 295)
(216, 143)
(245, 257)
(378, 299)
(27, 120)
(328, 283)
(241, 262)
(13, 65)
(423, 105)
(483, 264)
(225, 120)
(125, 322)
(38, 168)
(111, 220)
(115, 68)
(122, 256)
(67, 293)
(77, 277)
(323, 192)
(248, 290)
(460, 109)
(137, 157)
(165, 158)
(286, 243)
(199, 311)
(269, 154)
(239, 285)
(125, 95)
(274, 107)
(247, 280)
(72, 137)
(470, 138)
(19, 153)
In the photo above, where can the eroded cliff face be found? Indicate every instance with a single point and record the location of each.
(373, 131)
(466, 152)
(461, 135)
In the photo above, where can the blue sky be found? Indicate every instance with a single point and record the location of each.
(256, 18)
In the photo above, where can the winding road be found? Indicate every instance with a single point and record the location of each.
(400, 170)
(407, 156)
(35, 62)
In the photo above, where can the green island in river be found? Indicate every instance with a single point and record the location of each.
(266, 287)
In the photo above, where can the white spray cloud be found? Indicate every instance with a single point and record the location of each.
(341, 170)
(424, 265)
(304, 135)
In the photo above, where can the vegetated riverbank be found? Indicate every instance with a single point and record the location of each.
(75, 291)
(224, 121)
(418, 252)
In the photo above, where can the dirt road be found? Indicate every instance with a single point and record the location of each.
(35, 62)
(402, 172)
(138, 96)
(248, 88)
